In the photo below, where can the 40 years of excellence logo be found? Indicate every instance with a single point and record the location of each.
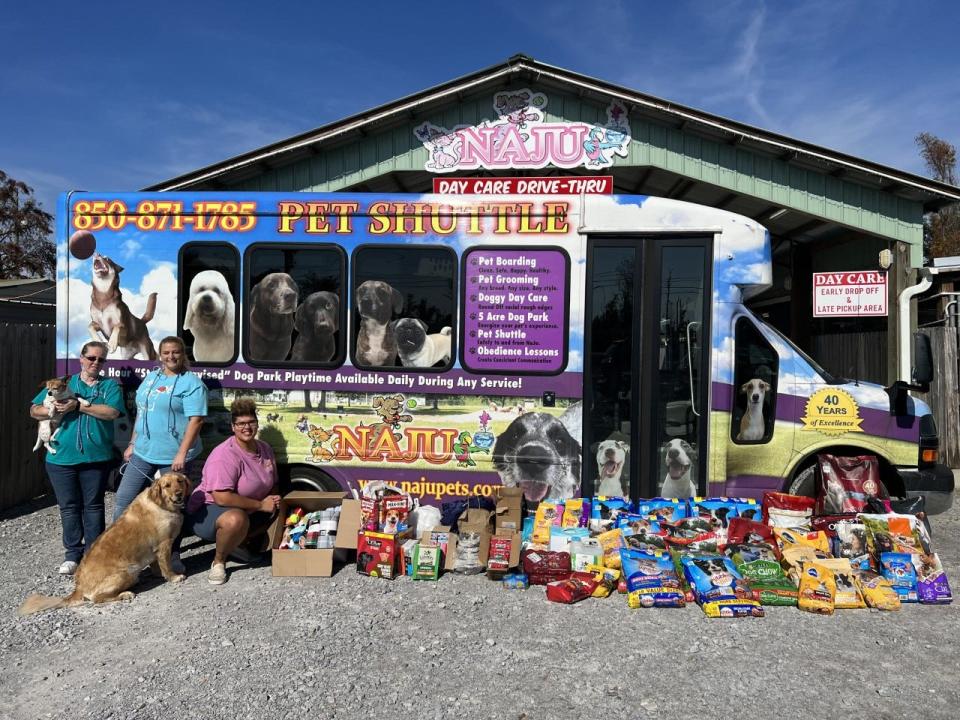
(832, 411)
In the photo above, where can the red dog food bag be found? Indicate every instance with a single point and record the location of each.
(750, 532)
(544, 566)
(579, 586)
(785, 510)
(845, 484)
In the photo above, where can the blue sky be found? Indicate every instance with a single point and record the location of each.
(101, 96)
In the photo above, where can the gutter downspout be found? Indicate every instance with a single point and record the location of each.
(904, 369)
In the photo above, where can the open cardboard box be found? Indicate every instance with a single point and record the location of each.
(509, 512)
(314, 563)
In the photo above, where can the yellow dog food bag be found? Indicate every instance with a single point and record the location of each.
(848, 595)
(787, 537)
(877, 590)
(542, 522)
(818, 589)
(611, 542)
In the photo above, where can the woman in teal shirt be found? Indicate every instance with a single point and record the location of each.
(79, 469)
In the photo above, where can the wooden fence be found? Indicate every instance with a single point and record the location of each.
(26, 361)
(944, 395)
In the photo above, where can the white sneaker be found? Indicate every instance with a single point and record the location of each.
(217, 574)
(176, 564)
(69, 567)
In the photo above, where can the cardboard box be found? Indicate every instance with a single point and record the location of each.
(314, 563)
(509, 512)
(515, 540)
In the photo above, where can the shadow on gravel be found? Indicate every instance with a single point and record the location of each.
(31, 506)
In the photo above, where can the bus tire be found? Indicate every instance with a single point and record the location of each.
(304, 477)
(804, 482)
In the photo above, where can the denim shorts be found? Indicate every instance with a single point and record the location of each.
(203, 522)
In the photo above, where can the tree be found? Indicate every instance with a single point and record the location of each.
(941, 232)
(26, 249)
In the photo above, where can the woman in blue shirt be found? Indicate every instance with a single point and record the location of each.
(83, 457)
(171, 407)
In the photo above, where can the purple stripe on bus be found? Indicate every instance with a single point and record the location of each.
(791, 408)
(753, 486)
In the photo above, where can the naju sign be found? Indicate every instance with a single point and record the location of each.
(520, 138)
(856, 293)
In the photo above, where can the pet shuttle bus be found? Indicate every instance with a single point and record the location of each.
(564, 344)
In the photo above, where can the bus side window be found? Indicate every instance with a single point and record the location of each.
(293, 304)
(756, 369)
(404, 306)
(209, 280)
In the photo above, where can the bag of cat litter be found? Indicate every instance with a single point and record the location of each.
(760, 566)
(848, 595)
(818, 589)
(899, 570)
(718, 587)
(651, 579)
(605, 510)
(932, 585)
(877, 590)
(663, 509)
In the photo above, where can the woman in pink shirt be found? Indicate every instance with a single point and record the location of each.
(237, 499)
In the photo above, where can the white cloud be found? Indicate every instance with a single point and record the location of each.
(129, 249)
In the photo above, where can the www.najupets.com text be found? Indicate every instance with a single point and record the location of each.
(428, 488)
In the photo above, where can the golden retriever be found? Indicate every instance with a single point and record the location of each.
(142, 536)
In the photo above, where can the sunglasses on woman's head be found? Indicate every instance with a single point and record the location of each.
(94, 358)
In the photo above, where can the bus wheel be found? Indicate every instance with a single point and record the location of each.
(804, 482)
(308, 478)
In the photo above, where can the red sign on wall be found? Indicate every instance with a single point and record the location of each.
(589, 184)
(856, 293)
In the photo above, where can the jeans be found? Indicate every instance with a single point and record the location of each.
(79, 490)
(137, 476)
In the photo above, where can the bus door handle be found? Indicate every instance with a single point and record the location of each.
(693, 395)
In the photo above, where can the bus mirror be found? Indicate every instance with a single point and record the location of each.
(922, 373)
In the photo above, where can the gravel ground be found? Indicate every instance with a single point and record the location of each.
(359, 647)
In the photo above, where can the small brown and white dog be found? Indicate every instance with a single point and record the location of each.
(752, 425)
(142, 536)
(377, 302)
(47, 430)
(111, 320)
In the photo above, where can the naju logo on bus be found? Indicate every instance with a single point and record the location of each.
(520, 138)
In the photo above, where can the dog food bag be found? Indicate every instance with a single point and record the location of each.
(760, 566)
(468, 554)
(750, 532)
(426, 561)
(698, 533)
(848, 595)
(663, 509)
(607, 578)
(844, 484)
(611, 541)
(719, 588)
(851, 543)
(898, 568)
(877, 590)
(894, 533)
(579, 586)
(794, 557)
(543, 521)
(721, 508)
(605, 510)
(642, 533)
(932, 585)
(498, 557)
(542, 566)
(784, 510)
(747, 508)
(817, 539)
(818, 589)
(576, 513)
(651, 579)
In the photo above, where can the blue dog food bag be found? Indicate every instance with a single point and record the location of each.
(663, 509)
(719, 588)
(651, 579)
(898, 568)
